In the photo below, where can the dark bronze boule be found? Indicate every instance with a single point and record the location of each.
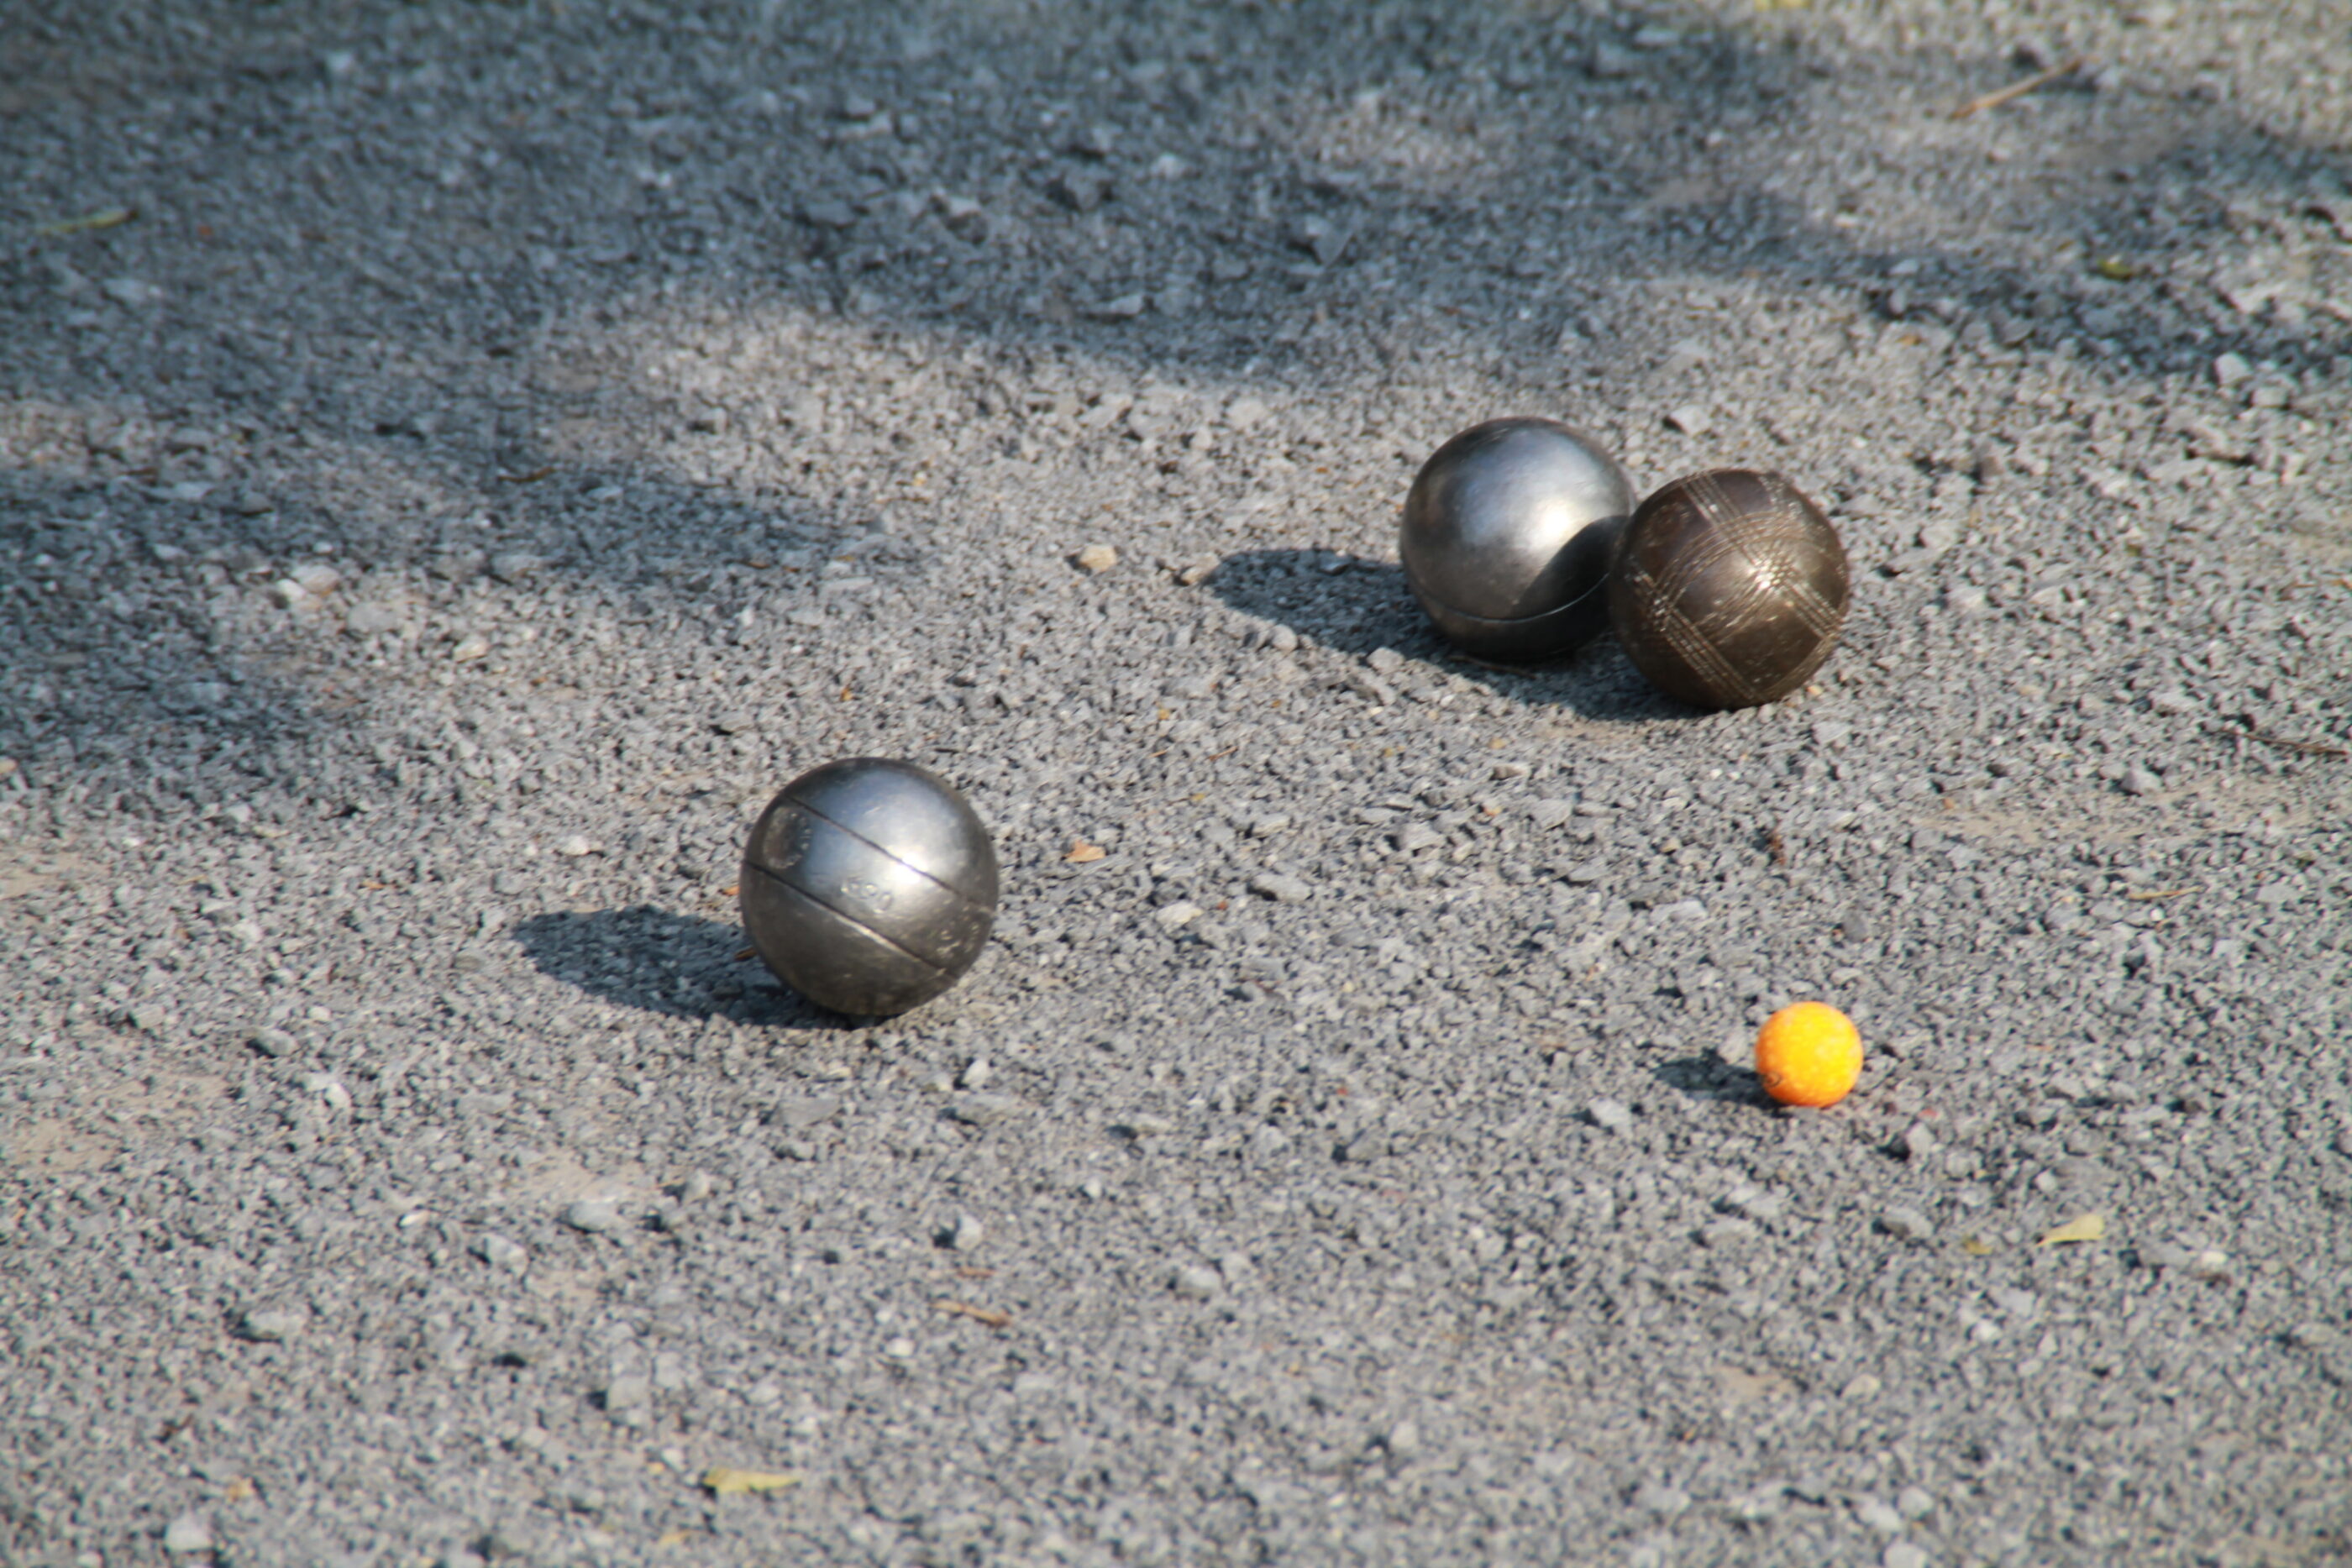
(869, 885)
(1729, 588)
(1508, 532)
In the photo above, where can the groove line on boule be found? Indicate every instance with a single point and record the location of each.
(832, 908)
(957, 893)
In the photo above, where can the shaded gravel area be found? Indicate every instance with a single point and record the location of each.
(458, 460)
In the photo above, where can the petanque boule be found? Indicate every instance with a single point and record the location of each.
(869, 885)
(1729, 588)
(1508, 534)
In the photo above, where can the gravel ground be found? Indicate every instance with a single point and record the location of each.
(506, 442)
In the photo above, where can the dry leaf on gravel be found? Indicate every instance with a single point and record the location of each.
(723, 1481)
(104, 218)
(994, 1317)
(1081, 852)
(2086, 1227)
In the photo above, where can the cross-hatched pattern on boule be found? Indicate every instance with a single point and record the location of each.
(1730, 588)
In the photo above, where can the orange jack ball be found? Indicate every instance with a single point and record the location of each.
(1808, 1055)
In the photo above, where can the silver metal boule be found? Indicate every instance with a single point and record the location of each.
(1510, 531)
(869, 885)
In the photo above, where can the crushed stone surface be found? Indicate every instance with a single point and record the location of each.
(458, 460)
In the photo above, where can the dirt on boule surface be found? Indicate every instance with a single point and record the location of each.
(458, 460)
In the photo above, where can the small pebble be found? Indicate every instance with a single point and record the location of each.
(316, 579)
(1906, 1225)
(1174, 917)
(1610, 1115)
(270, 1326)
(1904, 1554)
(983, 1109)
(501, 1252)
(1658, 1498)
(967, 1233)
(1690, 419)
(594, 1215)
(577, 845)
(1914, 1502)
(1194, 1282)
(1875, 1513)
(1097, 559)
(1281, 888)
(976, 1073)
(273, 1042)
(191, 1531)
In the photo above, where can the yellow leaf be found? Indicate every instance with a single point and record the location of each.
(2115, 270)
(1976, 1246)
(674, 1537)
(2086, 1227)
(105, 219)
(723, 1481)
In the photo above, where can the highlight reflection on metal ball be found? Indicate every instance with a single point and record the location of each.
(1729, 588)
(869, 885)
(1509, 530)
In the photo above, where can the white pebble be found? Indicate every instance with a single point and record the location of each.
(501, 1252)
(1666, 1501)
(269, 1325)
(1875, 1514)
(592, 1214)
(191, 1531)
(1193, 1283)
